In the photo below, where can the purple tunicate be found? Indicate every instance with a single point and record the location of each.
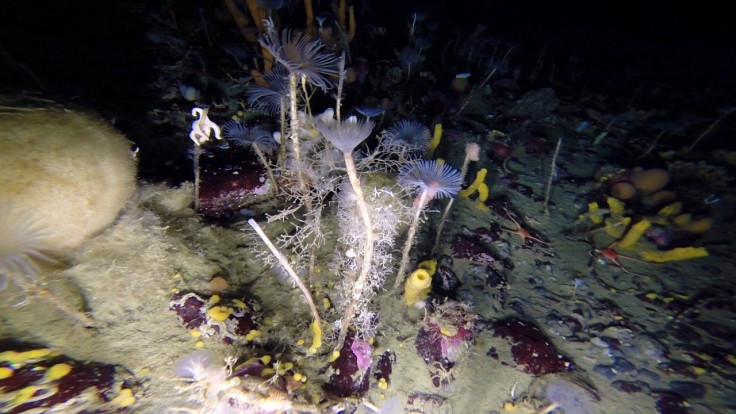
(362, 352)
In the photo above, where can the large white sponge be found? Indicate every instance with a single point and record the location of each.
(64, 175)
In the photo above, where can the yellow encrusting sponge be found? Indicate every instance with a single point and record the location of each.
(593, 208)
(219, 313)
(429, 265)
(633, 236)
(479, 186)
(680, 253)
(316, 337)
(615, 206)
(418, 284)
(616, 228)
(436, 137)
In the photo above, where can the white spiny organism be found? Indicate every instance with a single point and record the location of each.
(366, 322)
(316, 169)
(212, 389)
(388, 212)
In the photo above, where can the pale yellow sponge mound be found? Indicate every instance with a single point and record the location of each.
(64, 173)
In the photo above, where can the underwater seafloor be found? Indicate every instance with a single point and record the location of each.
(561, 320)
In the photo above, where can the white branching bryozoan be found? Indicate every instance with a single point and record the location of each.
(305, 63)
(388, 212)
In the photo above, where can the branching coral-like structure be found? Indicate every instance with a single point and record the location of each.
(306, 63)
(388, 212)
(212, 385)
(345, 136)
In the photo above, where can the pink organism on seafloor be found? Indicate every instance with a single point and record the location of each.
(362, 352)
(452, 342)
(454, 324)
(448, 330)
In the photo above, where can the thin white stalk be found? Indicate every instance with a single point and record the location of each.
(446, 213)
(340, 82)
(297, 153)
(410, 239)
(195, 162)
(552, 168)
(269, 172)
(285, 264)
(368, 249)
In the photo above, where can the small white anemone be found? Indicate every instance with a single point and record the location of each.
(200, 366)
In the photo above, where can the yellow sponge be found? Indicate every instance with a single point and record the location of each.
(417, 284)
(429, 265)
(482, 197)
(472, 188)
(616, 228)
(671, 210)
(633, 236)
(615, 206)
(56, 372)
(435, 142)
(124, 399)
(593, 208)
(219, 313)
(680, 253)
(316, 337)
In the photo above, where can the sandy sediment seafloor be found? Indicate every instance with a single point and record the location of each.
(618, 346)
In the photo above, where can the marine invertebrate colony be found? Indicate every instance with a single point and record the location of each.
(306, 63)
(65, 177)
(346, 136)
(213, 385)
(444, 339)
(260, 140)
(80, 164)
(39, 380)
(302, 57)
(434, 180)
